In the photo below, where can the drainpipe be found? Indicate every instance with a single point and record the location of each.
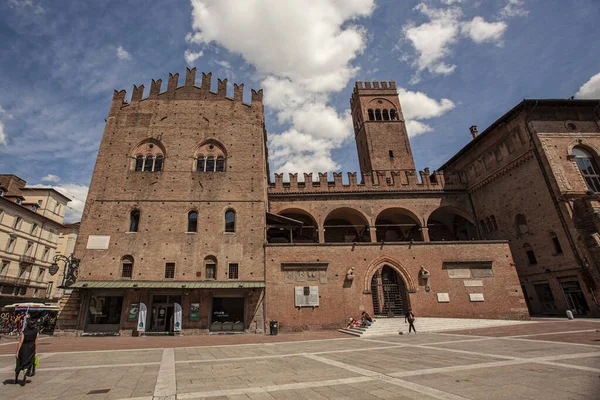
(555, 201)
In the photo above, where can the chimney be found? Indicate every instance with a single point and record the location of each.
(474, 131)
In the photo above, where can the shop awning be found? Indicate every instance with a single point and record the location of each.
(166, 285)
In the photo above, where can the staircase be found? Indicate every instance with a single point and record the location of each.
(392, 326)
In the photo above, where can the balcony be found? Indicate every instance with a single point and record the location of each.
(27, 260)
(11, 280)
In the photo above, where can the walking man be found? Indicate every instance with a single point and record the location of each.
(410, 317)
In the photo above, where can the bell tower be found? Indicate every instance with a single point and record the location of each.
(379, 128)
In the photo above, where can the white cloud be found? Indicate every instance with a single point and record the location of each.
(223, 64)
(77, 194)
(5, 113)
(303, 49)
(481, 31)
(417, 106)
(2, 134)
(51, 178)
(415, 128)
(37, 9)
(514, 8)
(590, 89)
(123, 54)
(433, 41)
(191, 56)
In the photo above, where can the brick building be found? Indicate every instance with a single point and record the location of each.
(531, 177)
(31, 220)
(181, 210)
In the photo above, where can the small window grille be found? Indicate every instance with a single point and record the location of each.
(201, 164)
(158, 163)
(170, 270)
(211, 271)
(233, 271)
(128, 270)
(210, 164)
(148, 164)
(139, 163)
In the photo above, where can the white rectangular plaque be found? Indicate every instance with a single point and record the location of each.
(98, 242)
(459, 273)
(476, 296)
(306, 296)
(473, 283)
(443, 298)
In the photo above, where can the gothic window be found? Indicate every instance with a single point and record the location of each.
(230, 221)
(378, 115)
(148, 156)
(521, 222)
(556, 243)
(134, 220)
(386, 115)
(192, 221)
(588, 167)
(371, 114)
(530, 254)
(127, 267)
(210, 157)
(494, 224)
(210, 267)
(393, 115)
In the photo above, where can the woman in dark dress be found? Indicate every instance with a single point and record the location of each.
(26, 351)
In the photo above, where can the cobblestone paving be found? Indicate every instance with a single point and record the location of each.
(548, 360)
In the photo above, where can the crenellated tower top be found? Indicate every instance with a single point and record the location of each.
(189, 91)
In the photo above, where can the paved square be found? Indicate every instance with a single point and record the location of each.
(548, 359)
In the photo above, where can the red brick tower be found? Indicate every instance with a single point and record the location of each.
(379, 128)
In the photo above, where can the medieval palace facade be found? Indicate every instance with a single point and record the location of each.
(182, 210)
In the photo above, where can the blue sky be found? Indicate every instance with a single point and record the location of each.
(457, 63)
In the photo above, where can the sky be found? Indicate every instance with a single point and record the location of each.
(456, 63)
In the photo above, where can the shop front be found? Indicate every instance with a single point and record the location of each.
(134, 307)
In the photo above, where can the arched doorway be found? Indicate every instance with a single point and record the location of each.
(390, 298)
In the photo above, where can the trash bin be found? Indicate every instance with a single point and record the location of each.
(274, 327)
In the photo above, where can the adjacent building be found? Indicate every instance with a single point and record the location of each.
(533, 179)
(31, 220)
(182, 211)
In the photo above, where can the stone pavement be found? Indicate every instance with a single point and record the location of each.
(547, 359)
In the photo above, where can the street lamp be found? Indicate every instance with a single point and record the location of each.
(71, 269)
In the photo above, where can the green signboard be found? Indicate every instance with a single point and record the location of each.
(134, 309)
(194, 311)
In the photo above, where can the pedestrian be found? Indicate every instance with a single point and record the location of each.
(410, 317)
(366, 319)
(26, 352)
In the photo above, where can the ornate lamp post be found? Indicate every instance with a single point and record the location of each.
(71, 269)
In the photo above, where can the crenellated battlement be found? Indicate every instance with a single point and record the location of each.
(402, 180)
(372, 88)
(189, 91)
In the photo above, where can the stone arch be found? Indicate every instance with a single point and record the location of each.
(149, 146)
(585, 144)
(346, 225)
(379, 262)
(450, 223)
(210, 156)
(392, 225)
(310, 229)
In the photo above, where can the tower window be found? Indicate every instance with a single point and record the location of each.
(229, 221)
(233, 271)
(392, 115)
(378, 115)
(134, 220)
(210, 267)
(148, 163)
(371, 115)
(220, 165)
(386, 115)
(522, 227)
(588, 167)
(127, 267)
(210, 164)
(557, 247)
(201, 164)
(139, 163)
(530, 254)
(391, 154)
(192, 221)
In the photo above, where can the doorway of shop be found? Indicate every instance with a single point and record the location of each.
(163, 310)
(227, 314)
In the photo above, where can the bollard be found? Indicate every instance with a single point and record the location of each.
(570, 314)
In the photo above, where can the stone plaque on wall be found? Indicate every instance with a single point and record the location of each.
(300, 276)
(459, 273)
(476, 296)
(98, 242)
(312, 275)
(482, 273)
(473, 283)
(443, 298)
(288, 277)
(323, 277)
(306, 296)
